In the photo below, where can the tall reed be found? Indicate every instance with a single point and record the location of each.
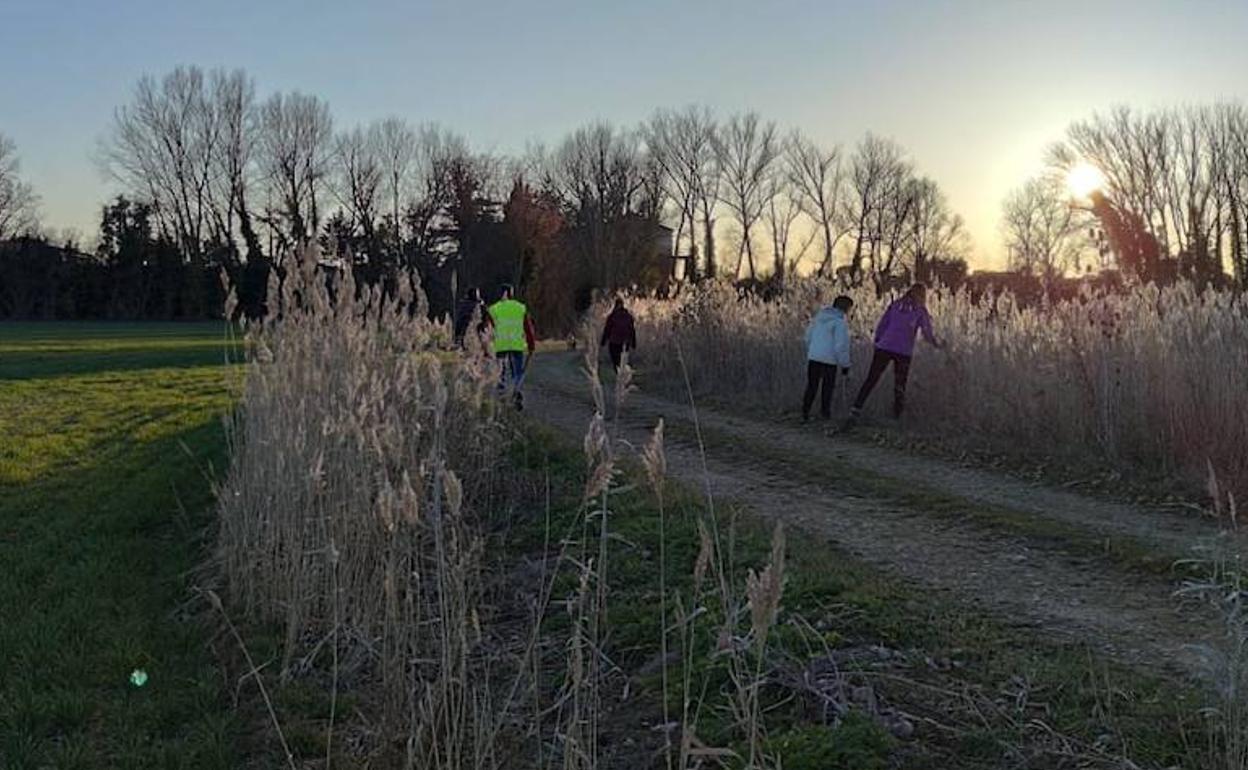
(1147, 376)
(363, 459)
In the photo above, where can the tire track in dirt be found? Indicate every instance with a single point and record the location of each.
(1175, 535)
(1132, 617)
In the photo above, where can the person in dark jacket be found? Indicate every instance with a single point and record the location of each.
(470, 305)
(619, 333)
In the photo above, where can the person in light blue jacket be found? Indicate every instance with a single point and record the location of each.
(827, 349)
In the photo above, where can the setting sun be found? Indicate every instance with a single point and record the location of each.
(1083, 179)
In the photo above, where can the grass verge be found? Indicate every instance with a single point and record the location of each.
(109, 431)
(979, 693)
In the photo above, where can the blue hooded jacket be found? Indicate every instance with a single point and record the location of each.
(827, 338)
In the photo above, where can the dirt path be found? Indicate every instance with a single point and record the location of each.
(1129, 614)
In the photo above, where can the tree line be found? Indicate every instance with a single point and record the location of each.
(1172, 202)
(217, 181)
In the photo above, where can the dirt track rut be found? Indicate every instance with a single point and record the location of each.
(1129, 614)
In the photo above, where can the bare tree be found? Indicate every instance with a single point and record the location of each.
(1165, 176)
(1228, 137)
(703, 130)
(453, 191)
(1040, 227)
(439, 158)
(601, 177)
(665, 151)
(816, 175)
(18, 203)
(876, 204)
(358, 178)
(297, 141)
(164, 148)
(784, 207)
(934, 232)
(682, 145)
(747, 150)
(598, 169)
(891, 223)
(184, 144)
(233, 96)
(875, 160)
(396, 145)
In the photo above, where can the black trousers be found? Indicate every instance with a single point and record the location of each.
(819, 376)
(616, 352)
(901, 370)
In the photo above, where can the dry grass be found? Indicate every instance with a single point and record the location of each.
(1224, 659)
(363, 458)
(366, 465)
(1151, 377)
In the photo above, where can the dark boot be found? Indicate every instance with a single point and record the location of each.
(852, 420)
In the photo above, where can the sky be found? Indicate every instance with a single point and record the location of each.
(974, 90)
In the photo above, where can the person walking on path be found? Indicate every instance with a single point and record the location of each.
(514, 341)
(894, 343)
(470, 306)
(827, 348)
(619, 334)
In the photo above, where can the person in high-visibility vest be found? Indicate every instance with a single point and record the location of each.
(514, 340)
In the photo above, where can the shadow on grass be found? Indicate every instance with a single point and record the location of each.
(50, 364)
(94, 564)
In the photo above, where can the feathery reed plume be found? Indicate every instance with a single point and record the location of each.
(654, 459)
(706, 551)
(360, 436)
(763, 591)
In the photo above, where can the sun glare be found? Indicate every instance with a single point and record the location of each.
(1083, 179)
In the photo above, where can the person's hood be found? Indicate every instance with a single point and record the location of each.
(828, 314)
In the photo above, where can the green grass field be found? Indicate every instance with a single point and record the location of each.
(109, 434)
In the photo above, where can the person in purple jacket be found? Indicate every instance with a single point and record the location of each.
(894, 343)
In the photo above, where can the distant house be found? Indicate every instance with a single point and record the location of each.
(647, 261)
(663, 238)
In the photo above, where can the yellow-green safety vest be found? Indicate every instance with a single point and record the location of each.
(508, 316)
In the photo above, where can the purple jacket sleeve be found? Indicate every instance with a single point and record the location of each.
(925, 326)
(882, 326)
